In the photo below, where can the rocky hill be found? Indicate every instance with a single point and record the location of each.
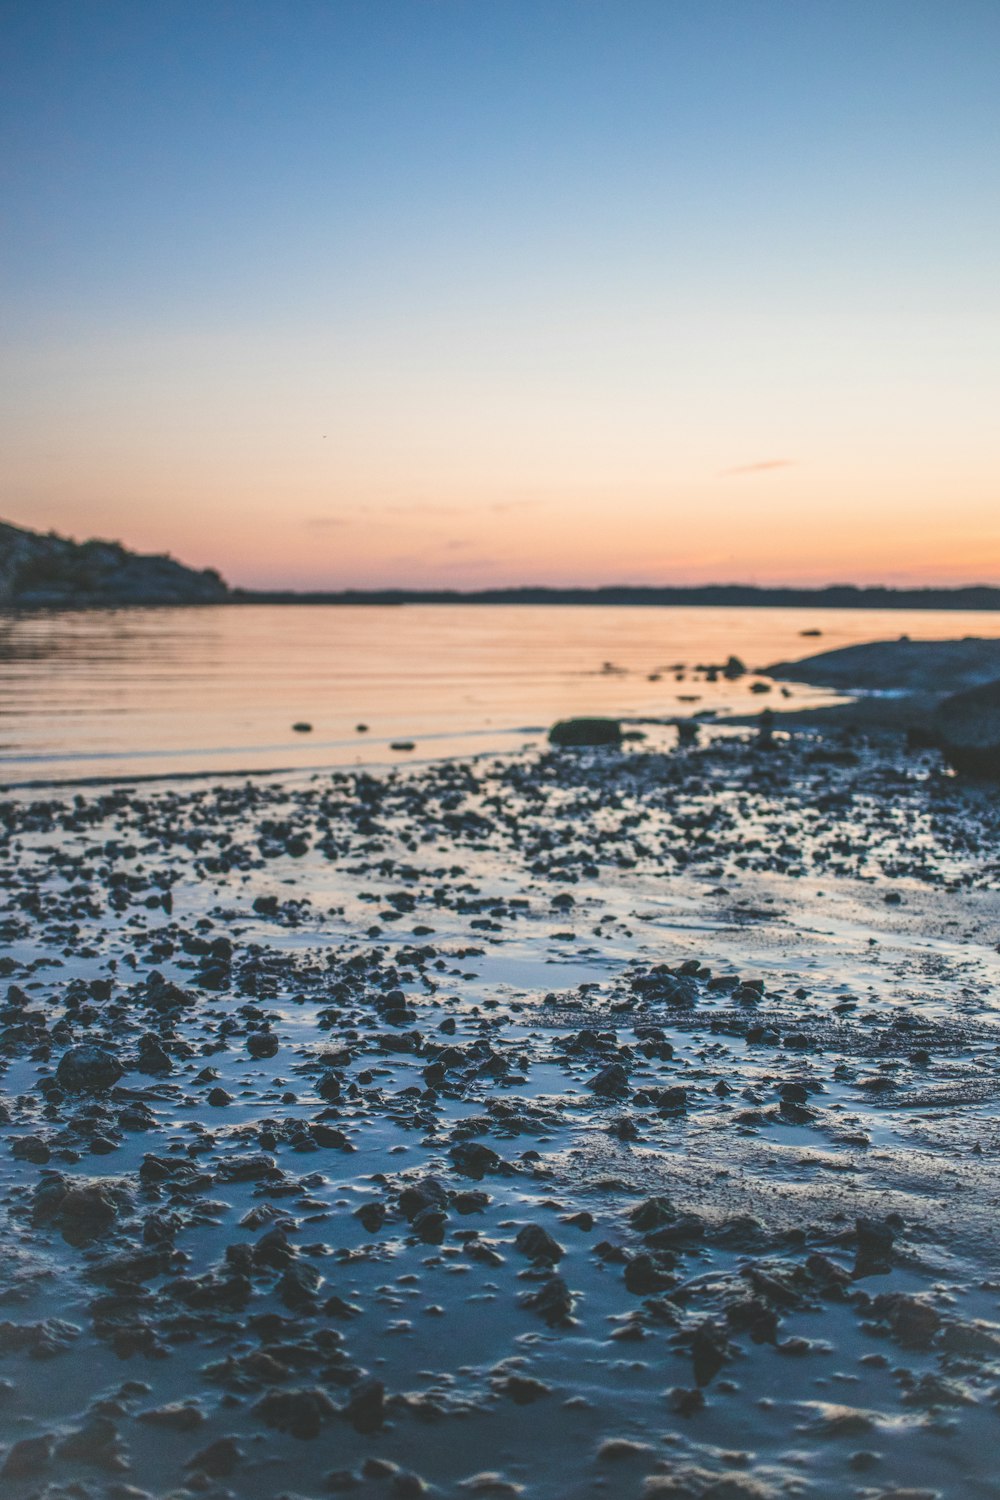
(48, 570)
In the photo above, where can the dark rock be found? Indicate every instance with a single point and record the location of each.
(470, 1202)
(178, 1416)
(474, 1159)
(967, 726)
(552, 1301)
(97, 1443)
(303, 1412)
(611, 1082)
(298, 1286)
(686, 1403)
(709, 1352)
(756, 1317)
(427, 1193)
(652, 1213)
(665, 988)
(430, 1224)
(257, 1168)
(30, 1148)
(38, 1340)
(371, 1216)
(537, 1244)
(875, 1239)
(82, 1210)
(680, 1229)
(522, 1389)
(913, 1323)
(88, 1069)
(580, 732)
(27, 1457)
(152, 1057)
(407, 1486)
(365, 1410)
(262, 1044)
(644, 1278)
(218, 1460)
(918, 666)
(791, 1113)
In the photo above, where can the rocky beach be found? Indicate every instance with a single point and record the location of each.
(572, 1122)
(500, 750)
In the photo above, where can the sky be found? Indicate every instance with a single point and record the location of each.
(363, 293)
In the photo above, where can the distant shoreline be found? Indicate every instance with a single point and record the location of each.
(836, 596)
(48, 571)
(733, 596)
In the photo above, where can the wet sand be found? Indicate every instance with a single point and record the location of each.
(612, 1123)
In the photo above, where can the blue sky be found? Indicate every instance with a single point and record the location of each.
(483, 290)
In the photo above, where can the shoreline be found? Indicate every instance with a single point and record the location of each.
(884, 715)
(974, 600)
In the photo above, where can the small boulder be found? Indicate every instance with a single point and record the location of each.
(261, 1044)
(611, 1081)
(537, 1244)
(553, 1301)
(474, 1159)
(302, 1412)
(88, 1069)
(581, 732)
(82, 1210)
(27, 1457)
(365, 1410)
(218, 1460)
(967, 727)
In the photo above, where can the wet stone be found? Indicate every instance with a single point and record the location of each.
(88, 1069)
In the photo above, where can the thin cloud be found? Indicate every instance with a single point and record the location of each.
(474, 564)
(419, 508)
(759, 467)
(320, 523)
(500, 507)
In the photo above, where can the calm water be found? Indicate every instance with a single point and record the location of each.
(122, 692)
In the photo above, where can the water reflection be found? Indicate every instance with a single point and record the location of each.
(127, 690)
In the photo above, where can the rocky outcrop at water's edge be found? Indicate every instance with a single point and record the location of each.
(39, 570)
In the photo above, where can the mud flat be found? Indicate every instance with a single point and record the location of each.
(595, 1123)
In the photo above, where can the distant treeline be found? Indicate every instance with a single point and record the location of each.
(837, 596)
(46, 571)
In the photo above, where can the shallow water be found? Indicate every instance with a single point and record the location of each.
(162, 691)
(516, 898)
(443, 1329)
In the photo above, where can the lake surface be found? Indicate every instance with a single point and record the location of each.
(161, 691)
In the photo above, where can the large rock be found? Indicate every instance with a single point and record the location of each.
(303, 1412)
(967, 727)
(900, 665)
(83, 1209)
(586, 732)
(88, 1069)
